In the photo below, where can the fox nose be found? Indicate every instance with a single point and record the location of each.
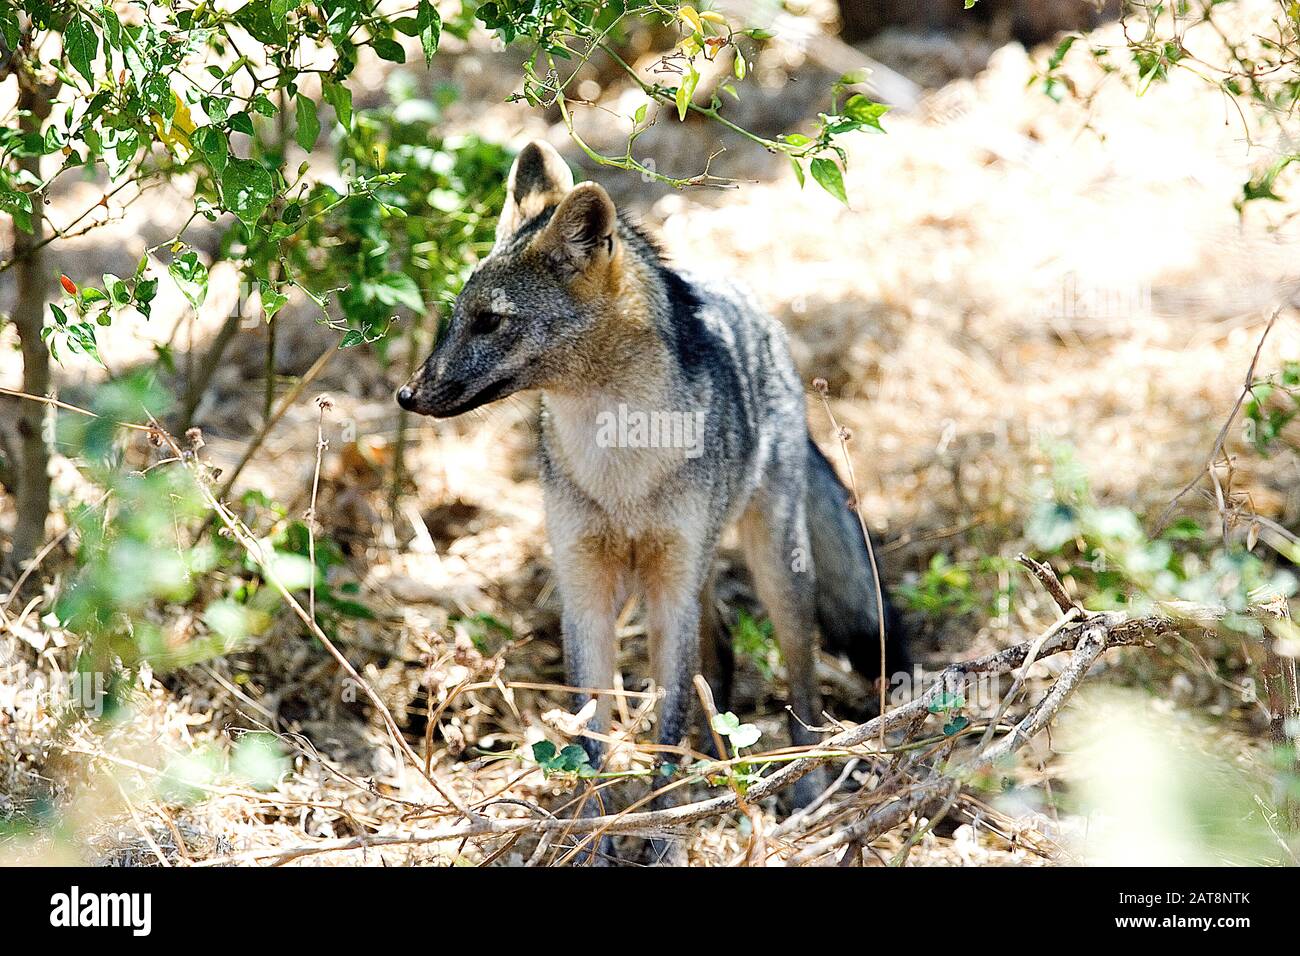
(406, 398)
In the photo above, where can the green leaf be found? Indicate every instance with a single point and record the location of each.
(272, 300)
(80, 43)
(430, 24)
(262, 104)
(543, 751)
(396, 288)
(211, 142)
(217, 107)
(945, 702)
(798, 170)
(726, 724)
(145, 290)
(191, 277)
(830, 178)
(117, 290)
(352, 339)
(746, 735)
(1184, 529)
(572, 758)
(685, 91)
(388, 49)
(339, 97)
(9, 25)
(241, 123)
(260, 19)
(246, 189)
(112, 29)
(865, 111)
(308, 130)
(19, 205)
(1058, 54)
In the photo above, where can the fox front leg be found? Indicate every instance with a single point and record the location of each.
(673, 568)
(588, 624)
(675, 660)
(590, 584)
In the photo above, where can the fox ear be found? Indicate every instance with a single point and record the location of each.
(538, 179)
(583, 233)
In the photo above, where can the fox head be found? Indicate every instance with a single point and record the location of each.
(527, 314)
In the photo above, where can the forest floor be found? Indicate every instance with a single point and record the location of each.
(944, 310)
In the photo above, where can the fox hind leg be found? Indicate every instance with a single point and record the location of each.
(774, 534)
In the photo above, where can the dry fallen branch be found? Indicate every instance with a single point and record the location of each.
(1087, 639)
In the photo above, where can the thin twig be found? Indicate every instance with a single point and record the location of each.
(255, 445)
(823, 391)
(1051, 583)
(1222, 437)
(324, 405)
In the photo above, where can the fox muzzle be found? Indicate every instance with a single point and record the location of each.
(449, 399)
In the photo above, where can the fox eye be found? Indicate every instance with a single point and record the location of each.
(485, 322)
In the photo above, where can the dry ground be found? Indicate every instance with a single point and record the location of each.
(935, 309)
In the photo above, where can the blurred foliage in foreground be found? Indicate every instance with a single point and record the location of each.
(1158, 790)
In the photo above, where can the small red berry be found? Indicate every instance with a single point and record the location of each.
(69, 286)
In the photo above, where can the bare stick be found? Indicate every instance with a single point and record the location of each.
(1089, 648)
(46, 400)
(705, 693)
(1217, 450)
(255, 445)
(1050, 582)
(32, 494)
(823, 391)
(208, 367)
(324, 405)
(1018, 682)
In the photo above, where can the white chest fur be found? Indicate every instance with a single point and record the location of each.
(616, 450)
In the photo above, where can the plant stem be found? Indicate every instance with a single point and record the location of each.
(208, 366)
(32, 470)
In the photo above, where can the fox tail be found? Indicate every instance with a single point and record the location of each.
(849, 612)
